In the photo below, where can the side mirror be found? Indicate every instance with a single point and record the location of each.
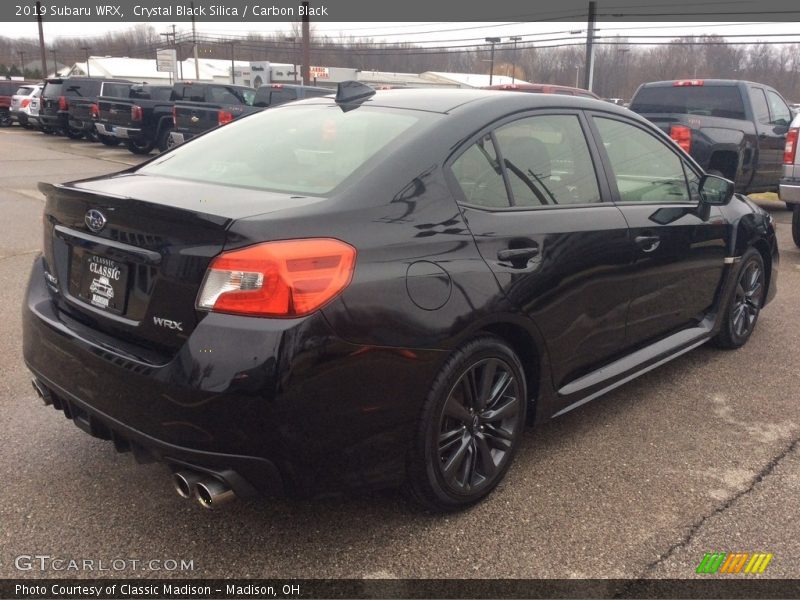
(714, 190)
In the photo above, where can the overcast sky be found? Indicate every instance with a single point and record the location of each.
(430, 33)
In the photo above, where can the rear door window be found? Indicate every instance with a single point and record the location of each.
(644, 167)
(480, 176)
(760, 108)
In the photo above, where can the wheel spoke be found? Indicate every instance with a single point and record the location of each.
(497, 437)
(453, 408)
(451, 467)
(448, 439)
(488, 467)
(499, 390)
(738, 319)
(487, 380)
(505, 410)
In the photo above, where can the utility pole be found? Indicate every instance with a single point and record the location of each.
(86, 50)
(588, 73)
(194, 47)
(293, 40)
(514, 39)
(492, 41)
(306, 45)
(41, 38)
(22, 61)
(233, 76)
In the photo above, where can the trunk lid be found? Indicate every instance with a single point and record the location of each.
(134, 279)
(195, 118)
(117, 112)
(80, 109)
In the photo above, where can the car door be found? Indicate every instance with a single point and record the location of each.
(678, 248)
(780, 117)
(539, 214)
(771, 139)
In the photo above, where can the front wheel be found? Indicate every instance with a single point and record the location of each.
(470, 426)
(796, 225)
(741, 314)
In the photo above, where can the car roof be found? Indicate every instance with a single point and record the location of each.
(481, 102)
(718, 82)
(546, 88)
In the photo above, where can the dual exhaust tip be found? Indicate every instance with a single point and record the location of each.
(208, 492)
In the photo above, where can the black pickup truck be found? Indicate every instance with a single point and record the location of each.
(143, 119)
(193, 118)
(733, 128)
(60, 93)
(210, 105)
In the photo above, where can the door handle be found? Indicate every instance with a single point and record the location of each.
(517, 255)
(648, 243)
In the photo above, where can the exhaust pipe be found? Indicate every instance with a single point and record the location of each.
(184, 482)
(213, 493)
(42, 392)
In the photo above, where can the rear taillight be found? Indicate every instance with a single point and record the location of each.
(95, 111)
(174, 117)
(278, 279)
(136, 113)
(682, 136)
(223, 117)
(790, 150)
(687, 82)
(26, 102)
(62, 103)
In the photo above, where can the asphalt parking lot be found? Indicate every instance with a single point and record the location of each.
(701, 455)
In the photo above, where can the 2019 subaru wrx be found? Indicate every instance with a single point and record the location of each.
(379, 289)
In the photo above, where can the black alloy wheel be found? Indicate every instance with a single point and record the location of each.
(471, 426)
(746, 302)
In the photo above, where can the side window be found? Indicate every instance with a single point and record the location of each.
(781, 115)
(644, 167)
(760, 110)
(479, 175)
(547, 161)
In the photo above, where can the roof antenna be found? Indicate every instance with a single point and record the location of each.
(349, 92)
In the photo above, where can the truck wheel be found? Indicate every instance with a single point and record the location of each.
(138, 147)
(796, 225)
(107, 140)
(74, 134)
(5, 119)
(163, 139)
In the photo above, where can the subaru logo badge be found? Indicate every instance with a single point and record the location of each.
(95, 220)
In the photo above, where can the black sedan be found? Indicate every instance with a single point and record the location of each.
(382, 289)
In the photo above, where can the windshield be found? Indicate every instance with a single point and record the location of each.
(710, 101)
(307, 149)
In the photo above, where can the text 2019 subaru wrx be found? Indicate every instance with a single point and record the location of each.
(381, 289)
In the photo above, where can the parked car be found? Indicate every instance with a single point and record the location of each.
(83, 112)
(20, 108)
(736, 129)
(209, 105)
(278, 93)
(59, 92)
(790, 182)
(142, 120)
(7, 89)
(380, 288)
(542, 88)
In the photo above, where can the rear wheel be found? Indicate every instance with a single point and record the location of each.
(74, 134)
(164, 140)
(742, 312)
(5, 118)
(140, 147)
(796, 225)
(470, 426)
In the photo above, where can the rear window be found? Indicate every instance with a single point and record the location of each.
(116, 90)
(24, 91)
(8, 88)
(52, 89)
(709, 101)
(295, 149)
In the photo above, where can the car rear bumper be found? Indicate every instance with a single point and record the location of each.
(123, 133)
(283, 403)
(790, 190)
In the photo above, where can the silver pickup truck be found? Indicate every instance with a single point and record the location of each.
(790, 182)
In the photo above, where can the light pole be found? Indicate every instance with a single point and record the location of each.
(577, 74)
(514, 39)
(624, 78)
(492, 41)
(55, 61)
(22, 61)
(86, 50)
(233, 74)
(293, 40)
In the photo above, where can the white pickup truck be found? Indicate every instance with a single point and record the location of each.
(790, 182)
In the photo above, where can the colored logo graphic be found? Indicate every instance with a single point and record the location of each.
(734, 562)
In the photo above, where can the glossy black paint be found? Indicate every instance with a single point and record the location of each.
(310, 404)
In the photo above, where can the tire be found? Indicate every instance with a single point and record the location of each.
(465, 443)
(107, 140)
(92, 136)
(5, 119)
(741, 315)
(140, 147)
(164, 143)
(796, 225)
(73, 134)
